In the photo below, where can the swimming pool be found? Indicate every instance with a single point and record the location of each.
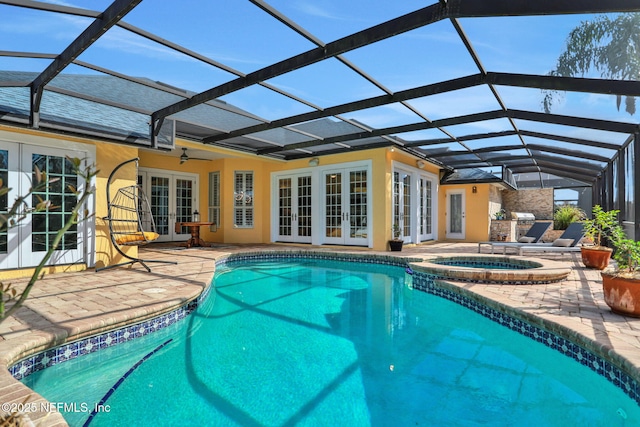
(313, 342)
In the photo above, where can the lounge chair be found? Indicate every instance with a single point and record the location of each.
(567, 242)
(533, 235)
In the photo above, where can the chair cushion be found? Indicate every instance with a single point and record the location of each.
(136, 238)
(526, 239)
(563, 242)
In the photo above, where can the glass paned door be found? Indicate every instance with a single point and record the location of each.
(172, 198)
(184, 202)
(455, 214)
(42, 227)
(402, 203)
(294, 208)
(285, 214)
(159, 201)
(334, 214)
(358, 230)
(346, 207)
(425, 212)
(406, 207)
(302, 221)
(9, 237)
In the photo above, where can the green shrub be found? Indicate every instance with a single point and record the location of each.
(565, 215)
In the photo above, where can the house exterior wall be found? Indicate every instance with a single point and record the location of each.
(477, 219)
(262, 168)
(382, 160)
(107, 156)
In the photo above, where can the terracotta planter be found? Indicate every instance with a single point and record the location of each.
(395, 245)
(622, 294)
(597, 258)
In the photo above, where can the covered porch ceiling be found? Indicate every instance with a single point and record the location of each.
(458, 82)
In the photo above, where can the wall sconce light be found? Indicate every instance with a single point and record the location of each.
(392, 149)
(474, 189)
(314, 162)
(420, 164)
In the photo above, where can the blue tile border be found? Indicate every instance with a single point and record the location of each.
(481, 264)
(420, 281)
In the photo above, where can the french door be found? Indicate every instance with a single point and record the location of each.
(402, 203)
(426, 192)
(26, 243)
(10, 175)
(414, 204)
(346, 206)
(294, 208)
(173, 198)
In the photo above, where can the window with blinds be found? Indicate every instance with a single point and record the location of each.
(214, 200)
(243, 199)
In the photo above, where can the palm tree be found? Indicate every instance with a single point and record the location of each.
(606, 44)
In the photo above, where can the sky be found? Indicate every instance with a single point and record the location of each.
(240, 35)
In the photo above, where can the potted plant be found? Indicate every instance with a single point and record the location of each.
(621, 286)
(603, 224)
(500, 215)
(396, 243)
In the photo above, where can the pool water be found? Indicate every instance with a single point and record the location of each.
(318, 343)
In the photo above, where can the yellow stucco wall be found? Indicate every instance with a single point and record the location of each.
(477, 220)
(108, 156)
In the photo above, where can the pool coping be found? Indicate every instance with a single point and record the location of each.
(606, 352)
(540, 271)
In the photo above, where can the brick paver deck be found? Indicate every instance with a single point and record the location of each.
(69, 306)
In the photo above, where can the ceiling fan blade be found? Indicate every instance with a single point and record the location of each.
(184, 156)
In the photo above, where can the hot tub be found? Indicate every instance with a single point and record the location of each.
(494, 269)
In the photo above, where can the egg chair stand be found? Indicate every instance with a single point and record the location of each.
(130, 219)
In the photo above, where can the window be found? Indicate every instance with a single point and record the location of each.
(214, 199)
(243, 200)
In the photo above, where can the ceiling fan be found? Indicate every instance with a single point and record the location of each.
(184, 157)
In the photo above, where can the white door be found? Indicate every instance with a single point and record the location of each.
(10, 176)
(346, 207)
(425, 208)
(26, 243)
(294, 208)
(402, 203)
(172, 198)
(455, 214)
(39, 229)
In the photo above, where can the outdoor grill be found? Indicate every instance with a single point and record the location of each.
(524, 221)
